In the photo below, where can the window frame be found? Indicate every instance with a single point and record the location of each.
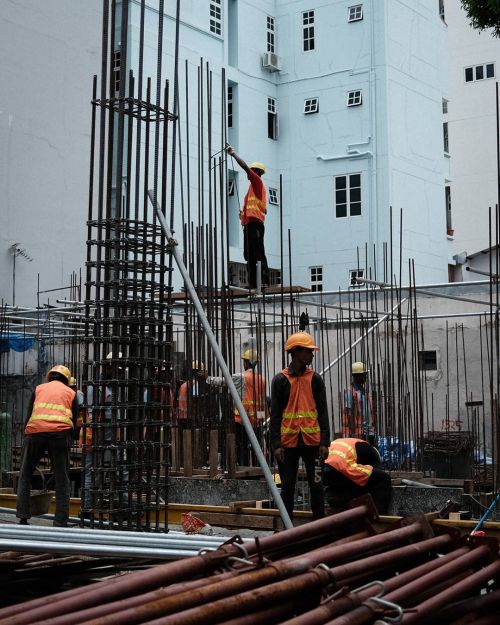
(273, 196)
(311, 106)
(271, 34)
(484, 68)
(356, 273)
(230, 103)
(355, 97)
(272, 119)
(349, 188)
(316, 278)
(427, 357)
(215, 21)
(355, 13)
(446, 138)
(308, 30)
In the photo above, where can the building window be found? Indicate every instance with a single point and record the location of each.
(348, 195)
(316, 275)
(441, 10)
(272, 119)
(273, 196)
(355, 13)
(354, 274)
(271, 32)
(215, 17)
(308, 30)
(447, 199)
(311, 105)
(446, 141)
(230, 106)
(117, 55)
(427, 360)
(354, 98)
(480, 72)
(445, 106)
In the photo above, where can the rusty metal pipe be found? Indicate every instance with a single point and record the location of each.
(269, 616)
(473, 582)
(307, 588)
(489, 602)
(404, 594)
(134, 583)
(341, 605)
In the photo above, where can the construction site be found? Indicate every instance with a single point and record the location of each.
(175, 510)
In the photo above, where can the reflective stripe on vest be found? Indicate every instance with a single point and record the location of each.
(254, 396)
(52, 408)
(342, 457)
(253, 207)
(300, 414)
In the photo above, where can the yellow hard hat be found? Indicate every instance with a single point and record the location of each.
(259, 166)
(358, 367)
(62, 370)
(72, 382)
(197, 365)
(300, 339)
(250, 354)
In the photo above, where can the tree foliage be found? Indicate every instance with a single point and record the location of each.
(483, 14)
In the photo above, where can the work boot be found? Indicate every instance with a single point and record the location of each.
(23, 522)
(60, 524)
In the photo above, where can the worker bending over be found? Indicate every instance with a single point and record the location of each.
(351, 470)
(51, 426)
(299, 422)
(252, 217)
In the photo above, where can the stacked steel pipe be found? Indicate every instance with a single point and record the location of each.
(336, 570)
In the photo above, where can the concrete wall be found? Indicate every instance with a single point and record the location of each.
(50, 51)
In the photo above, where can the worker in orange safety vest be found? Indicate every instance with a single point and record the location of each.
(252, 217)
(299, 422)
(358, 415)
(51, 427)
(352, 469)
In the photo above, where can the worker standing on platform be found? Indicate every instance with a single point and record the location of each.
(252, 217)
(352, 469)
(358, 416)
(53, 411)
(299, 422)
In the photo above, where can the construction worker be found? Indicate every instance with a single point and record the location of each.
(84, 442)
(51, 426)
(358, 416)
(352, 469)
(252, 217)
(299, 422)
(251, 387)
(190, 393)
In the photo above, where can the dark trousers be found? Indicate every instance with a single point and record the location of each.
(57, 444)
(288, 474)
(340, 489)
(253, 251)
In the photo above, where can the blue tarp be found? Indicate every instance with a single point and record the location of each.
(15, 341)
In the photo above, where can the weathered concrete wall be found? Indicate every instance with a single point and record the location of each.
(215, 492)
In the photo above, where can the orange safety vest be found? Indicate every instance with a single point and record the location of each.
(254, 208)
(254, 396)
(83, 422)
(300, 414)
(342, 457)
(356, 417)
(52, 408)
(182, 403)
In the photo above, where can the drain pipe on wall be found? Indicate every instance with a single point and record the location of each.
(222, 364)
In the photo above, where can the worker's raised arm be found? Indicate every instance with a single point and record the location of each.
(238, 159)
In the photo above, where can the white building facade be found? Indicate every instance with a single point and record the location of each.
(341, 99)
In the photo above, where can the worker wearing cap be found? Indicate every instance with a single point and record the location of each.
(358, 416)
(252, 217)
(352, 469)
(299, 422)
(53, 411)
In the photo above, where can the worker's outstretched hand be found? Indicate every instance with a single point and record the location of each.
(229, 149)
(279, 454)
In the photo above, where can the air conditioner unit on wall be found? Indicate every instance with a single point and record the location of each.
(271, 62)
